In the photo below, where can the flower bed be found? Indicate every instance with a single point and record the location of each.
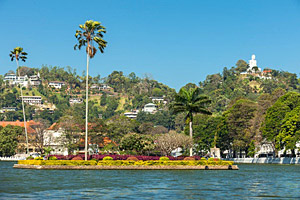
(126, 162)
(121, 157)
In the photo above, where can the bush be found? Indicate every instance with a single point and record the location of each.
(189, 158)
(30, 158)
(132, 158)
(107, 158)
(39, 158)
(164, 158)
(77, 158)
(52, 158)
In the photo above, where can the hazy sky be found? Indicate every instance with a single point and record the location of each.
(177, 42)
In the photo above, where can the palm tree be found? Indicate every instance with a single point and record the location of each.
(190, 102)
(91, 31)
(18, 54)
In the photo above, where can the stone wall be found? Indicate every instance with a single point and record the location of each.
(266, 160)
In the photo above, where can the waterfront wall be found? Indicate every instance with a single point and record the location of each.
(266, 160)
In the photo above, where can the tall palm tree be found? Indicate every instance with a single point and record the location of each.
(190, 102)
(18, 54)
(91, 31)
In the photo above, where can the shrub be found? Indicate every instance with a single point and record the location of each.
(30, 158)
(52, 158)
(202, 158)
(164, 158)
(132, 158)
(213, 159)
(39, 158)
(107, 158)
(77, 158)
(189, 158)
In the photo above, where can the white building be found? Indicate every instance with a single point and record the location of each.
(158, 100)
(150, 108)
(35, 80)
(56, 84)
(105, 87)
(132, 115)
(13, 79)
(33, 100)
(75, 100)
(55, 139)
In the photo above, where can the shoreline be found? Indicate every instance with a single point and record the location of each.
(99, 167)
(283, 160)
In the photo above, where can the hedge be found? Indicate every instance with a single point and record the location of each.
(124, 162)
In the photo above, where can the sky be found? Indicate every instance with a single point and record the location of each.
(173, 41)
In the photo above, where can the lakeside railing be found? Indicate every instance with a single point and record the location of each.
(12, 158)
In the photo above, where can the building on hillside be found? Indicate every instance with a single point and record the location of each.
(33, 100)
(255, 71)
(158, 100)
(132, 115)
(56, 84)
(8, 109)
(13, 79)
(95, 87)
(75, 100)
(24, 81)
(30, 131)
(105, 87)
(34, 80)
(150, 108)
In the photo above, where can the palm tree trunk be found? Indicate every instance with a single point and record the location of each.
(23, 108)
(86, 105)
(191, 136)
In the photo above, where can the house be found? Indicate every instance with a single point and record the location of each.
(13, 79)
(56, 84)
(75, 100)
(33, 100)
(106, 87)
(150, 108)
(54, 138)
(8, 109)
(34, 80)
(132, 115)
(95, 87)
(158, 100)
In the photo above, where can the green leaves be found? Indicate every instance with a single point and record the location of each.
(17, 54)
(91, 31)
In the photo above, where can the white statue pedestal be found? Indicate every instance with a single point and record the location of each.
(215, 152)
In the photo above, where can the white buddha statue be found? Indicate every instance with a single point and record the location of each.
(253, 63)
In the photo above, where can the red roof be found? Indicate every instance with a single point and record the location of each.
(18, 123)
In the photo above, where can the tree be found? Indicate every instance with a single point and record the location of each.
(241, 66)
(141, 144)
(190, 102)
(168, 142)
(290, 131)
(18, 54)
(39, 134)
(272, 125)
(91, 31)
(9, 139)
(239, 120)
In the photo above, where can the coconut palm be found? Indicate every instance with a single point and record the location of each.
(91, 31)
(18, 54)
(190, 102)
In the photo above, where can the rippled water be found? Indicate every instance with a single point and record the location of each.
(250, 182)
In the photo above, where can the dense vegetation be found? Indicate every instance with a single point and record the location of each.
(246, 112)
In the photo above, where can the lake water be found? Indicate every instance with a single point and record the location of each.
(250, 182)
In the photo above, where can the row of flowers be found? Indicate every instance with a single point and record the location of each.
(121, 157)
(125, 162)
